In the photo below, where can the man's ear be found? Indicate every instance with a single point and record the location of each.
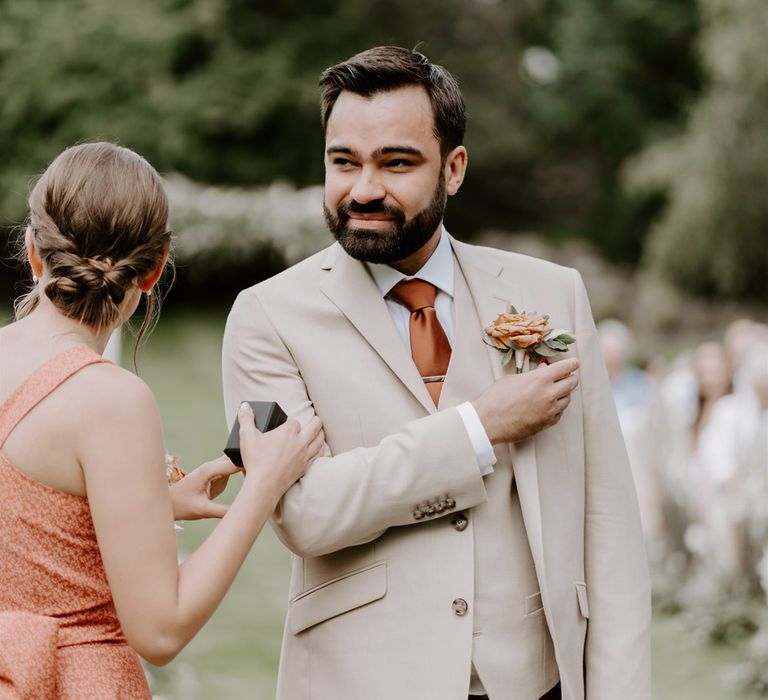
(151, 279)
(33, 255)
(455, 168)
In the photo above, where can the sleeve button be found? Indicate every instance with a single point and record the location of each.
(460, 522)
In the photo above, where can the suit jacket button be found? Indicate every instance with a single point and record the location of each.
(460, 522)
(460, 607)
(417, 515)
(450, 503)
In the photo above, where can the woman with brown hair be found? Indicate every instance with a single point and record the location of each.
(88, 559)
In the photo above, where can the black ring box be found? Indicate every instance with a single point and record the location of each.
(267, 416)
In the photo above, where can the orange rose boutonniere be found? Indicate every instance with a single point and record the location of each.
(516, 334)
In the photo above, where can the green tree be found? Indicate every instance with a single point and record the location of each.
(713, 236)
(225, 91)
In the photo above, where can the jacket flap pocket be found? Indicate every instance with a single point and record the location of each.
(340, 595)
(581, 594)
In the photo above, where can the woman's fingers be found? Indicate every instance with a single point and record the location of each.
(292, 425)
(314, 438)
(312, 429)
(222, 466)
(217, 475)
(249, 434)
(247, 426)
(290, 445)
(215, 510)
(314, 448)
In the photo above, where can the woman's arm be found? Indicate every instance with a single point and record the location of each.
(161, 605)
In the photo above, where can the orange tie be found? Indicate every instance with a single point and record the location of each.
(430, 348)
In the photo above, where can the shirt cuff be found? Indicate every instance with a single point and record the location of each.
(484, 453)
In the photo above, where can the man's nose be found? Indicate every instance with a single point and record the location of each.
(368, 187)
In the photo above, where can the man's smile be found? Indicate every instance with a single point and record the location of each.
(370, 220)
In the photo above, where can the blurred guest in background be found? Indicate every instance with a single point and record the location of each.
(634, 392)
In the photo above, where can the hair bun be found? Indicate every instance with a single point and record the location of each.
(103, 265)
(97, 283)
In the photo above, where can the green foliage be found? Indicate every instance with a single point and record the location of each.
(234, 237)
(713, 236)
(225, 92)
(628, 71)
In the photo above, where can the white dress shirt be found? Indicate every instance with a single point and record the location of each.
(438, 271)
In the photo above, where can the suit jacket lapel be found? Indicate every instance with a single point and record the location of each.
(350, 287)
(492, 295)
(470, 369)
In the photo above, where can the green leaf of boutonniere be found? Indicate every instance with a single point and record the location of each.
(508, 355)
(558, 340)
(512, 309)
(545, 351)
(555, 344)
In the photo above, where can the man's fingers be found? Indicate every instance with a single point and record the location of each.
(565, 386)
(561, 404)
(563, 368)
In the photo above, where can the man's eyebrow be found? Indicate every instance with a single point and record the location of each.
(378, 153)
(341, 149)
(389, 150)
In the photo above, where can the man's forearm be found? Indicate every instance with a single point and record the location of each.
(356, 496)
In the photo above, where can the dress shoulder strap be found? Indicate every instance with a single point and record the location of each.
(41, 383)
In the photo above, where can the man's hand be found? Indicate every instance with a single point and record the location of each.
(192, 497)
(520, 405)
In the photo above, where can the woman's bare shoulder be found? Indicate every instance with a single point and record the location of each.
(119, 430)
(109, 391)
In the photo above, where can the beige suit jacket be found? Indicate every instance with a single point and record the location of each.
(371, 609)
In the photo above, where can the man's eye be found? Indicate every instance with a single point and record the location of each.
(399, 163)
(342, 162)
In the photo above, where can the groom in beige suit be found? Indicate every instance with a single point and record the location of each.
(471, 531)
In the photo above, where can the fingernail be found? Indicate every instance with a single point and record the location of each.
(245, 406)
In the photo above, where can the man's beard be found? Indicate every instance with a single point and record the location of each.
(397, 243)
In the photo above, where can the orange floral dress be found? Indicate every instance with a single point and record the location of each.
(59, 632)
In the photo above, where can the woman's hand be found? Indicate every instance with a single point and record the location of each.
(192, 497)
(282, 455)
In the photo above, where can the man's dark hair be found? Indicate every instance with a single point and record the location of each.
(386, 68)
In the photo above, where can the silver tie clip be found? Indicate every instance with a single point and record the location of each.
(434, 378)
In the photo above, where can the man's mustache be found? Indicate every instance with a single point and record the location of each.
(376, 206)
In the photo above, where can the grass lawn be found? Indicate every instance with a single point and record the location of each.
(235, 656)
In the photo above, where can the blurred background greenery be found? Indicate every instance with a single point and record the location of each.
(637, 125)
(624, 137)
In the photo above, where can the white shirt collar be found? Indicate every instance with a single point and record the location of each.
(438, 270)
